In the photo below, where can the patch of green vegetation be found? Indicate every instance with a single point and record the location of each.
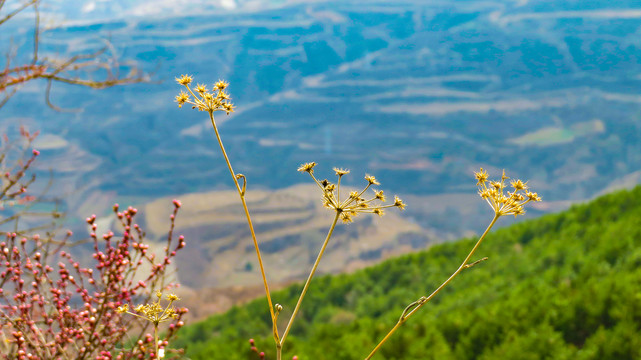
(588, 127)
(553, 135)
(546, 136)
(564, 286)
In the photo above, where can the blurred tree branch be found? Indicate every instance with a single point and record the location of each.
(99, 69)
(24, 210)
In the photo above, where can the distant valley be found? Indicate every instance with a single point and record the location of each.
(418, 94)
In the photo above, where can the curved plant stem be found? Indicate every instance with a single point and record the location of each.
(241, 193)
(408, 313)
(306, 286)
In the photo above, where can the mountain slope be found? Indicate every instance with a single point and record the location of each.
(564, 286)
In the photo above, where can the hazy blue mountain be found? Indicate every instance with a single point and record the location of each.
(418, 93)
(101, 10)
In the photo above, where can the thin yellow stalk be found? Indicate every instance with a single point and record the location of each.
(309, 279)
(251, 226)
(156, 339)
(424, 301)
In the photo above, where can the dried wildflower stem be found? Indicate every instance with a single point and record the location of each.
(501, 203)
(156, 340)
(424, 300)
(309, 280)
(218, 100)
(241, 193)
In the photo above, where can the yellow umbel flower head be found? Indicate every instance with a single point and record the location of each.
(202, 99)
(355, 203)
(509, 203)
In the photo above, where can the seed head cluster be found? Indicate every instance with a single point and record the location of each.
(355, 203)
(154, 312)
(504, 203)
(202, 99)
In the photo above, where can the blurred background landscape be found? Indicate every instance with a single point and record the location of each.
(419, 94)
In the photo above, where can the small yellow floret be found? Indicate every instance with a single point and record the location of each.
(182, 98)
(518, 185)
(341, 172)
(399, 203)
(184, 80)
(201, 88)
(372, 180)
(532, 196)
(307, 167)
(481, 176)
(221, 85)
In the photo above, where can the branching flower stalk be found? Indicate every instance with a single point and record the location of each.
(345, 210)
(155, 314)
(218, 100)
(510, 203)
(98, 70)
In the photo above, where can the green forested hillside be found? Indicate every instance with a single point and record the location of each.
(564, 286)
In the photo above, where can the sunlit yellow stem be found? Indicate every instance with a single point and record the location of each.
(309, 278)
(424, 301)
(241, 193)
